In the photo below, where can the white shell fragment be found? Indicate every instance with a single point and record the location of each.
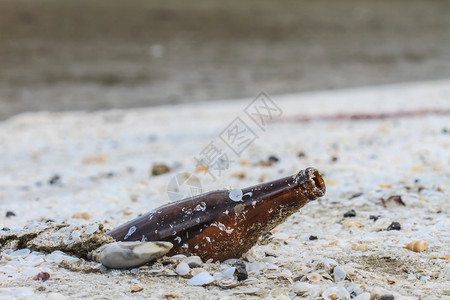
(183, 269)
(339, 274)
(235, 195)
(202, 278)
(129, 254)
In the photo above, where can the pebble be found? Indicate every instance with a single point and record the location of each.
(202, 278)
(159, 169)
(350, 214)
(312, 237)
(373, 217)
(387, 297)
(241, 270)
(394, 226)
(182, 269)
(54, 179)
(339, 274)
(10, 214)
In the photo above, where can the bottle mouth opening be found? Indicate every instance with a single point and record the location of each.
(313, 181)
(318, 181)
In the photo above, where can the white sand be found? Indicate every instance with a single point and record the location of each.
(104, 158)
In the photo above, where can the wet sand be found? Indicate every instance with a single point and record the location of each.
(94, 55)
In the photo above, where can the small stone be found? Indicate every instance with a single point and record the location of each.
(241, 271)
(54, 179)
(350, 214)
(193, 261)
(10, 214)
(41, 288)
(136, 288)
(5, 229)
(394, 226)
(44, 276)
(339, 274)
(387, 297)
(312, 237)
(273, 159)
(301, 154)
(373, 217)
(182, 269)
(159, 169)
(202, 278)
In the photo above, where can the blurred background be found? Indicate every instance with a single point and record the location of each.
(101, 54)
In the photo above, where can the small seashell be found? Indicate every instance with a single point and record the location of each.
(136, 288)
(159, 169)
(314, 277)
(361, 247)
(301, 288)
(362, 296)
(129, 254)
(339, 274)
(335, 293)
(350, 224)
(416, 246)
(228, 273)
(202, 278)
(183, 269)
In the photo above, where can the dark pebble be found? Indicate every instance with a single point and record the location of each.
(350, 214)
(301, 154)
(312, 237)
(5, 229)
(386, 297)
(41, 289)
(240, 272)
(445, 130)
(356, 195)
(394, 226)
(10, 214)
(374, 218)
(334, 159)
(54, 179)
(49, 221)
(159, 169)
(273, 159)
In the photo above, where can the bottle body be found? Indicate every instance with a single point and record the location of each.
(218, 225)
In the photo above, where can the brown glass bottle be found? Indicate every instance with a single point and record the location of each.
(212, 225)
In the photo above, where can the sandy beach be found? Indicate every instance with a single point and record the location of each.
(374, 146)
